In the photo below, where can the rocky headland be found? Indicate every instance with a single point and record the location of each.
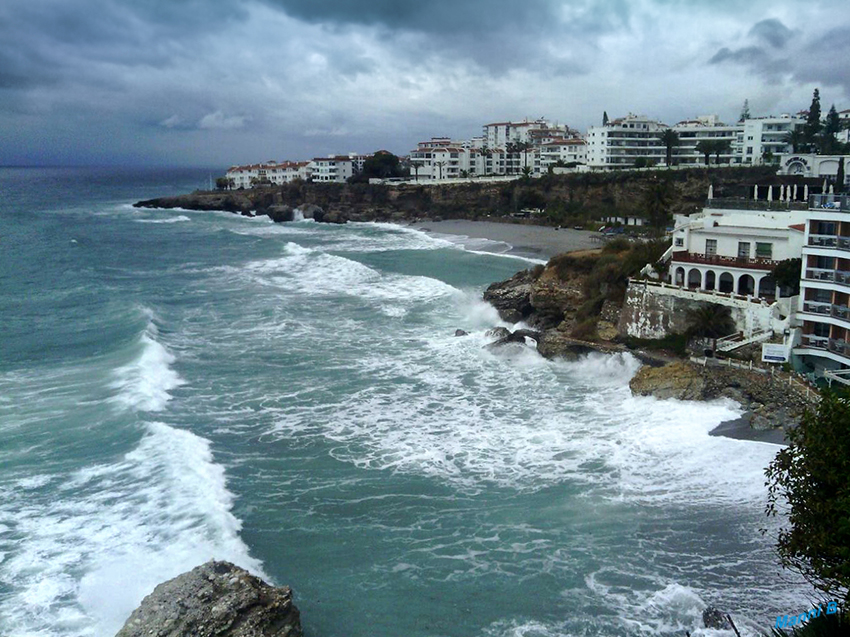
(216, 599)
(586, 196)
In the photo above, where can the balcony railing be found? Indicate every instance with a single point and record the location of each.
(830, 202)
(810, 340)
(827, 309)
(821, 274)
(740, 203)
(755, 263)
(829, 241)
(838, 346)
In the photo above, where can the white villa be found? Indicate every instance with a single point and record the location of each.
(735, 251)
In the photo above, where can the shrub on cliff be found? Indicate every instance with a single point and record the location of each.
(810, 481)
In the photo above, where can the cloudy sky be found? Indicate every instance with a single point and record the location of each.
(216, 82)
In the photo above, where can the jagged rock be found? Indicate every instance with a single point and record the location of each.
(679, 380)
(512, 298)
(280, 213)
(333, 216)
(497, 332)
(461, 333)
(554, 343)
(715, 619)
(514, 337)
(533, 334)
(216, 599)
(309, 210)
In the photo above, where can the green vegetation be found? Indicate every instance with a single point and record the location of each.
(675, 343)
(669, 138)
(787, 275)
(224, 183)
(810, 481)
(381, 165)
(710, 321)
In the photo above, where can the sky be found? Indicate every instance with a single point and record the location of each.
(216, 82)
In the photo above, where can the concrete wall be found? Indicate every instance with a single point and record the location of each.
(654, 311)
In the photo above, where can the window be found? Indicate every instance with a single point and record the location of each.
(826, 227)
(743, 249)
(680, 241)
(764, 250)
(825, 263)
(711, 247)
(821, 329)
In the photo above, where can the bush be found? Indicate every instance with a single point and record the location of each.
(676, 343)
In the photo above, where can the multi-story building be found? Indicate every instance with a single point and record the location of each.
(620, 142)
(824, 305)
(535, 133)
(336, 168)
(270, 172)
(734, 251)
(707, 128)
(566, 151)
(765, 138)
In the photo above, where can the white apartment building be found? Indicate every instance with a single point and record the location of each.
(707, 128)
(824, 305)
(734, 251)
(336, 168)
(766, 136)
(443, 158)
(566, 151)
(536, 132)
(269, 172)
(620, 142)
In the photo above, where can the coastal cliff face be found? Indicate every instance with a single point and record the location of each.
(216, 599)
(590, 194)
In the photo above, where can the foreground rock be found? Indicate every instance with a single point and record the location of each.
(215, 599)
(770, 402)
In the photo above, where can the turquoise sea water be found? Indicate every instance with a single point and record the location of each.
(177, 386)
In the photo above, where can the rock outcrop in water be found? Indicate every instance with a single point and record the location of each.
(771, 403)
(216, 599)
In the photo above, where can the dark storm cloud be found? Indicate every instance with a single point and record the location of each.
(772, 31)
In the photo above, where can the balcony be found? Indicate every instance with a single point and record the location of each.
(829, 241)
(827, 309)
(838, 346)
(729, 262)
(830, 202)
(834, 276)
(738, 203)
(819, 342)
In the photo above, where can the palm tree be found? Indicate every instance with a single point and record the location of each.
(669, 138)
(710, 320)
(721, 146)
(657, 205)
(511, 148)
(439, 165)
(526, 174)
(706, 147)
(795, 138)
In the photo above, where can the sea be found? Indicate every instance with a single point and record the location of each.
(181, 386)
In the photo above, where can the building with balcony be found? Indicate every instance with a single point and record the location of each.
(707, 128)
(270, 172)
(766, 137)
(824, 305)
(620, 142)
(337, 168)
(731, 250)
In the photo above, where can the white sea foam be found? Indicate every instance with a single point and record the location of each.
(176, 219)
(144, 384)
(91, 552)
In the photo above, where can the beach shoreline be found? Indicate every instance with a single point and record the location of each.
(520, 240)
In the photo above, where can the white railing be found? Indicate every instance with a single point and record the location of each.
(739, 341)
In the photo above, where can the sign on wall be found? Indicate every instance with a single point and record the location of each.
(774, 353)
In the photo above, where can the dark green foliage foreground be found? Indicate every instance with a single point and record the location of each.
(810, 480)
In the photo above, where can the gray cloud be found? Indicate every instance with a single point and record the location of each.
(218, 81)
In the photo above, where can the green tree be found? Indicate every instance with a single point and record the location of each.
(669, 138)
(812, 127)
(706, 147)
(605, 118)
(828, 142)
(224, 183)
(381, 165)
(787, 275)
(526, 174)
(840, 177)
(656, 204)
(745, 111)
(809, 480)
(795, 138)
(709, 320)
(721, 146)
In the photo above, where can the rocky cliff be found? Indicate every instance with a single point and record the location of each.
(770, 401)
(581, 195)
(216, 599)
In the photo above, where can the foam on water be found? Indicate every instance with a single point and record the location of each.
(144, 383)
(166, 220)
(88, 555)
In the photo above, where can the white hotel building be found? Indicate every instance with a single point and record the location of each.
(825, 289)
(270, 172)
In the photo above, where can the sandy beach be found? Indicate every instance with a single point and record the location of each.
(533, 242)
